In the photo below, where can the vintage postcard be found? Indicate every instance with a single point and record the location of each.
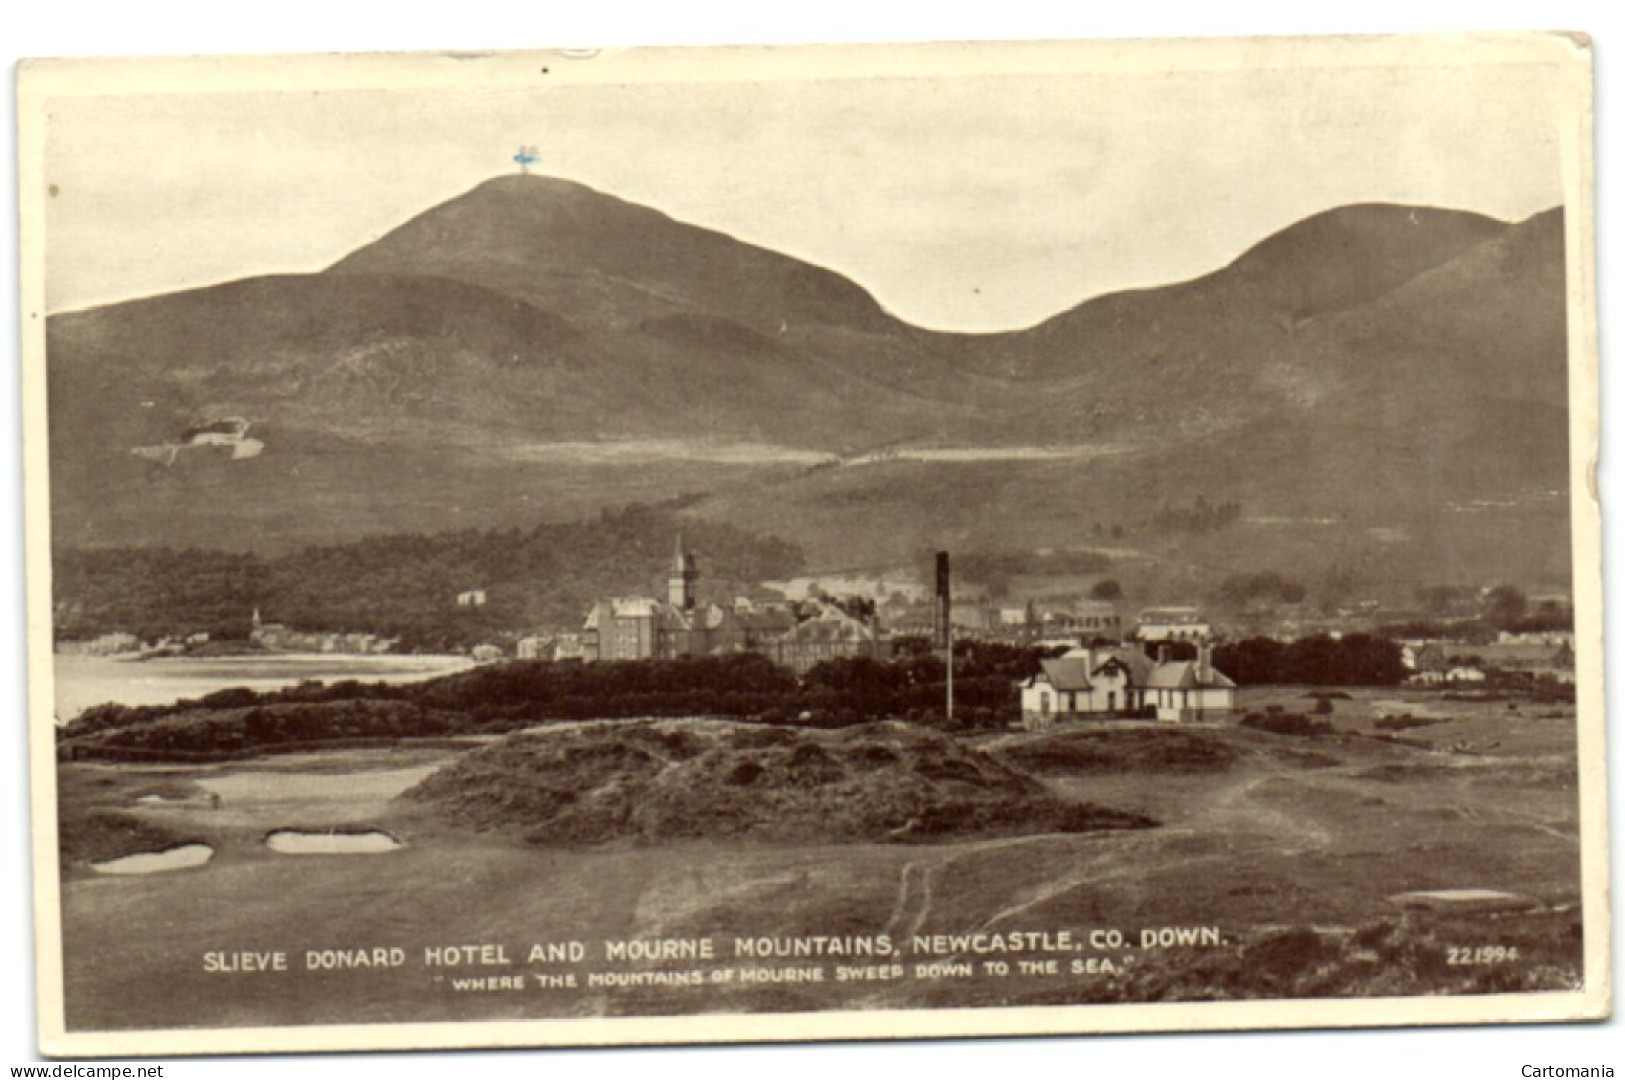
(641, 546)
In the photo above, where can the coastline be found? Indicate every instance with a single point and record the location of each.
(83, 682)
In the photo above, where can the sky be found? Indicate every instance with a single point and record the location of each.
(979, 202)
(982, 202)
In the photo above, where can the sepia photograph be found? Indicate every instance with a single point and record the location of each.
(667, 545)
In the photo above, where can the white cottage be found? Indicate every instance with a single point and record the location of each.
(1125, 682)
(1184, 690)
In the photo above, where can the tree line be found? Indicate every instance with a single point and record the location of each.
(1200, 517)
(406, 585)
(745, 686)
(1321, 660)
(505, 697)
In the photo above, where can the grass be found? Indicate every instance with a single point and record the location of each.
(887, 782)
(1386, 957)
(96, 818)
(1404, 723)
(1083, 751)
(1293, 849)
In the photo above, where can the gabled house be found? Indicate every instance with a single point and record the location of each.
(830, 634)
(1125, 682)
(1420, 656)
(1173, 624)
(1182, 690)
(1528, 660)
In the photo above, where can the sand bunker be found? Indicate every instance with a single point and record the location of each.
(887, 782)
(295, 842)
(1465, 900)
(153, 862)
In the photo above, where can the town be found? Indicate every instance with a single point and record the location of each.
(1082, 656)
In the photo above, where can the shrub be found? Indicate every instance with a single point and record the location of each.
(1402, 723)
(1279, 723)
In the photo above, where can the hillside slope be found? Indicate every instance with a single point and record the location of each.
(535, 350)
(563, 246)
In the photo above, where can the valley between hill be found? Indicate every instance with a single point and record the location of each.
(536, 351)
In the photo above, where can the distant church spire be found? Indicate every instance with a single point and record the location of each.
(685, 575)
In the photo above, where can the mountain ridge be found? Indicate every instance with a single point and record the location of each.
(419, 382)
(502, 222)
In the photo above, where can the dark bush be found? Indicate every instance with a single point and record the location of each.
(1403, 723)
(234, 697)
(745, 773)
(1287, 724)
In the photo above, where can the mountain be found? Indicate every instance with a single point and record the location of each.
(562, 246)
(1332, 261)
(1414, 424)
(535, 350)
(629, 271)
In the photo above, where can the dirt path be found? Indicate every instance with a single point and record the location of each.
(913, 900)
(915, 881)
(1236, 808)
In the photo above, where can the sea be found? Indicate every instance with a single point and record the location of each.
(85, 681)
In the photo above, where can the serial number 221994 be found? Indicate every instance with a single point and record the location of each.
(1482, 954)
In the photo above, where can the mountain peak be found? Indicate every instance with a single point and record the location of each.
(564, 246)
(1378, 363)
(1349, 255)
(533, 185)
(531, 196)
